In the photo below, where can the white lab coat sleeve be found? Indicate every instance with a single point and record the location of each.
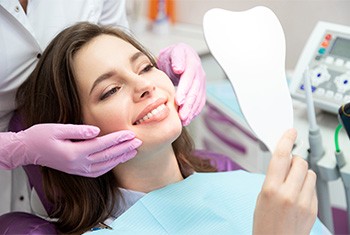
(114, 13)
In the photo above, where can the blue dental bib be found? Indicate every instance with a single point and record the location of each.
(203, 203)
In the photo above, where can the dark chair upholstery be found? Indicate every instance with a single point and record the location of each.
(25, 223)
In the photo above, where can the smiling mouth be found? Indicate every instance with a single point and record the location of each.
(151, 114)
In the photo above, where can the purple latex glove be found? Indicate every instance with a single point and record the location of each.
(51, 145)
(183, 65)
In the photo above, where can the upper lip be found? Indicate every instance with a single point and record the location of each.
(149, 108)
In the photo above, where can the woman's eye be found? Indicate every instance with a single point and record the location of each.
(109, 93)
(147, 68)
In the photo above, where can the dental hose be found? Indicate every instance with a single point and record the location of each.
(336, 138)
(316, 153)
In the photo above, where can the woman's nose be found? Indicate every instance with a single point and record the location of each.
(143, 89)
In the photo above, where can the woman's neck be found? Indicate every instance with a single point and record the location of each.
(148, 172)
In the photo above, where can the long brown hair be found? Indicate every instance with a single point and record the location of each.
(50, 96)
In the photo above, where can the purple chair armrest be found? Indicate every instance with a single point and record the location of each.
(25, 223)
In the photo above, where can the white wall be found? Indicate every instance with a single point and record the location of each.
(298, 17)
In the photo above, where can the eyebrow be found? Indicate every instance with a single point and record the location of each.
(102, 78)
(109, 74)
(136, 56)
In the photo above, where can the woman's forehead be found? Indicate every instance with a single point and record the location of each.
(103, 47)
(109, 42)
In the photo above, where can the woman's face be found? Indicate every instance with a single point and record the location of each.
(119, 89)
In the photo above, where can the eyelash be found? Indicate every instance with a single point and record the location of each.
(147, 68)
(109, 93)
(116, 89)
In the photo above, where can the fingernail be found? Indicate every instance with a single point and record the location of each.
(136, 143)
(185, 122)
(177, 70)
(180, 100)
(92, 132)
(126, 136)
(184, 112)
(128, 156)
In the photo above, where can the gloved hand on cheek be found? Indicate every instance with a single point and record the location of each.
(51, 145)
(183, 65)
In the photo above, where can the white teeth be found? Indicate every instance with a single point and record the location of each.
(151, 114)
(154, 111)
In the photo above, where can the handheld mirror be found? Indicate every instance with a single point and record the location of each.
(250, 48)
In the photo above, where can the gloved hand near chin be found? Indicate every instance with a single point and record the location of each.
(51, 145)
(183, 65)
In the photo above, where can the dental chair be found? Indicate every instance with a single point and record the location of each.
(26, 223)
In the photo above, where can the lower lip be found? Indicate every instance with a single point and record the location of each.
(158, 117)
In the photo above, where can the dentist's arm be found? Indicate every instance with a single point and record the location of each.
(183, 65)
(51, 145)
(287, 203)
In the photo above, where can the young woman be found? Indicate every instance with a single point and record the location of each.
(101, 76)
(94, 75)
(26, 29)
